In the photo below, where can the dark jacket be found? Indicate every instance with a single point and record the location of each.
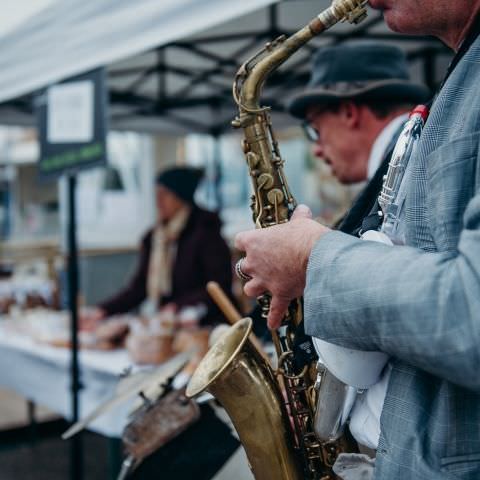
(202, 255)
(363, 205)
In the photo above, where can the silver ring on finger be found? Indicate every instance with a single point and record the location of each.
(240, 273)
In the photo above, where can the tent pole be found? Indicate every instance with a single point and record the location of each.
(76, 450)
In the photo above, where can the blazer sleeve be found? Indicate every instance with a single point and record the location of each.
(135, 291)
(418, 306)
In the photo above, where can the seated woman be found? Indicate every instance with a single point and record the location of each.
(178, 256)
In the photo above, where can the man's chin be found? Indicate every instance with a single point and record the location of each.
(388, 15)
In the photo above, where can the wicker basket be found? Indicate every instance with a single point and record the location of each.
(150, 349)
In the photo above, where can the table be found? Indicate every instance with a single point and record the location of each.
(41, 374)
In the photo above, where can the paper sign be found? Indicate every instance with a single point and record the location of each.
(70, 112)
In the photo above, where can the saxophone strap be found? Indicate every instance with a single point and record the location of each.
(372, 220)
(362, 206)
(303, 349)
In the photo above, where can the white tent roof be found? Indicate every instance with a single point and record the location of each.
(74, 36)
(171, 63)
(16, 12)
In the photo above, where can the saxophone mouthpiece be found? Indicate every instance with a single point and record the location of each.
(351, 11)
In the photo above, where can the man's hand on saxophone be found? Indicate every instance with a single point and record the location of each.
(276, 260)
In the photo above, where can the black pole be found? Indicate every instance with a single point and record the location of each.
(273, 20)
(76, 453)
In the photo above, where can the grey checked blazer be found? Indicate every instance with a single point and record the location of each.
(420, 303)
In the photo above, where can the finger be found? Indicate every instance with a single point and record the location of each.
(241, 240)
(302, 211)
(254, 288)
(278, 308)
(247, 268)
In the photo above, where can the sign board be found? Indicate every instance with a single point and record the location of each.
(72, 123)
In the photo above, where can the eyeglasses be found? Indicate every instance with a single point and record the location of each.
(310, 132)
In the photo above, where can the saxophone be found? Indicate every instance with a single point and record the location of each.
(282, 434)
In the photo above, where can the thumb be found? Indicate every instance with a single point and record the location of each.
(278, 307)
(302, 211)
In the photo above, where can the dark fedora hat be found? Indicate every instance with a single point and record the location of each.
(365, 71)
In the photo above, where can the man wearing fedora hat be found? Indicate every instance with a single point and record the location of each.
(353, 109)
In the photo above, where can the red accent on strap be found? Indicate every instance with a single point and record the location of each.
(421, 110)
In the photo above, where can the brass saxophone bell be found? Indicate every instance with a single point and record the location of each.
(241, 380)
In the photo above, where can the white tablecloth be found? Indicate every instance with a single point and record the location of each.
(41, 373)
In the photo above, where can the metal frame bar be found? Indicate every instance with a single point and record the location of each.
(167, 100)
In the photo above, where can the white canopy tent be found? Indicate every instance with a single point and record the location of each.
(74, 36)
(16, 12)
(171, 62)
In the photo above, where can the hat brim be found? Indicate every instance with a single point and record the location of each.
(401, 90)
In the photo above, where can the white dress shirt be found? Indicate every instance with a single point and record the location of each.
(377, 153)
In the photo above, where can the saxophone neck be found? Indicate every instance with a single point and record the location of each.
(253, 73)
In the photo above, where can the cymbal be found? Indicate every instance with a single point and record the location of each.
(130, 386)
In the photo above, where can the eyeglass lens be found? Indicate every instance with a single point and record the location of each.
(310, 132)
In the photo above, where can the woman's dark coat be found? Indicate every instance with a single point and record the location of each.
(202, 255)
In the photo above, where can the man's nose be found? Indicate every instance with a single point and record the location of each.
(318, 150)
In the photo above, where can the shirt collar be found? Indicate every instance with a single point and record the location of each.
(377, 153)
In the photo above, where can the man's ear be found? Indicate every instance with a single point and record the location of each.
(351, 114)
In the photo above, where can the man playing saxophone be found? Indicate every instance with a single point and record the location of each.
(418, 302)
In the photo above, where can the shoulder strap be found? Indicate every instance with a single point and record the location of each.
(352, 222)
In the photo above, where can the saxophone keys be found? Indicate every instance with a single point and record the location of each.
(278, 161)
(265, 180)
(275, 196)
(358, 14)
(252, 160)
